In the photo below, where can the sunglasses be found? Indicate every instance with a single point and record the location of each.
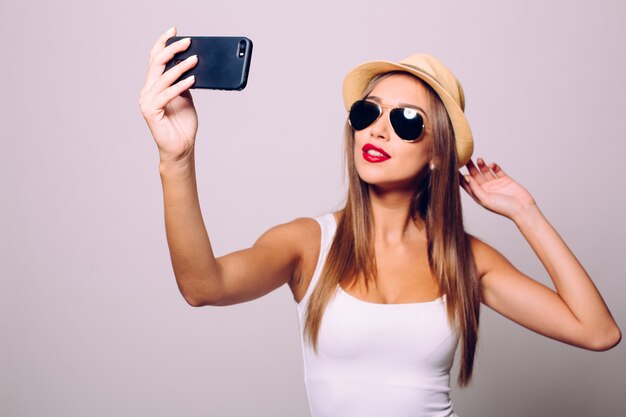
(407, 122)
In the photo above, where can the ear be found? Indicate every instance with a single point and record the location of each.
(434, 162)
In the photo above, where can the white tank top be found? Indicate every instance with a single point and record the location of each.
(376, 359)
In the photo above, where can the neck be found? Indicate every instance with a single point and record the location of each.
(391, 212)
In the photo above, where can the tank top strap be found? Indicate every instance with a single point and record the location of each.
(328, 226)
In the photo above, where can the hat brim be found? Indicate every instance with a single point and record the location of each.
(357, 80)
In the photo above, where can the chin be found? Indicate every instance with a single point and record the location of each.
(385, 183)
(383, 177)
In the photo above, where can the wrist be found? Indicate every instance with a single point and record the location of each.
(178, 163)
(177, 167)
(527, 215)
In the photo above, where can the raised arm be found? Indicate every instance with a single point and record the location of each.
(202, 278)
(576, 313)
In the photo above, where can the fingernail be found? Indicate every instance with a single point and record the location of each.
(185, 40)
(171, 30)
(190, 78)
(466, 178)
(192, 58)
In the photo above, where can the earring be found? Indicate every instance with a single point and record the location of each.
(432, 166)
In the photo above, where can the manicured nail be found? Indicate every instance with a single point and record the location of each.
(190, 78)
(466, 178)
(170, 30)
(192, 58)
(185, 40)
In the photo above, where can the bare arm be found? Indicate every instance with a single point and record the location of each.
(244, 275)
(171, 116)
(575, 313)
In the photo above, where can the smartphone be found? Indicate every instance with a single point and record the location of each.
(223, 61)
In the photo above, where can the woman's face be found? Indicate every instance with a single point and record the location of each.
(406, 159)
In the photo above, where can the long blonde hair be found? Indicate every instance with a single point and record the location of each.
(437, 202)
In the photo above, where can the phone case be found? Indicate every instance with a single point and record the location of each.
(223, 62)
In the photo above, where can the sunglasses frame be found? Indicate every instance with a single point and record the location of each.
(381, 110)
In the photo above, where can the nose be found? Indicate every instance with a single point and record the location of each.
(380, 129)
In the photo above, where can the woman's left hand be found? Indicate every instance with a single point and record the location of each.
(493, 189)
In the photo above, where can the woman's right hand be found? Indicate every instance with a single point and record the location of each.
(168, 109)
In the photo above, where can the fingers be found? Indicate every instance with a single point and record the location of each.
(464, 181)
(478, 176)
(160, 55)
(167, 78)
(491, 170)
(484, 172)
(497, 170)
(474, 172)
(484, 169)
(158, 46)
(168, 53)
(160, 43)
(164, 97)
(473, 188)
(159, 89)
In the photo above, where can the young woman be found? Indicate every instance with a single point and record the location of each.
(389, 286)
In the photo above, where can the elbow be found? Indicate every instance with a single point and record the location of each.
(199, 296)
(194, 301)
(199, 290)
(608, 340)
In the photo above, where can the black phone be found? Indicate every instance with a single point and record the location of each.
(223, 61)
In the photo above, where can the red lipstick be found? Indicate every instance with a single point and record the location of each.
(381, 157)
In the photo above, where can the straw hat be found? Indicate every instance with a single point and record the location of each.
(435, 74)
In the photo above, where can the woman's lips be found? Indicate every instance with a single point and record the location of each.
(373, 154)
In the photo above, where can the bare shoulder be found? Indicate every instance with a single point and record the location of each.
(294, 238)
(295, 231)
(308, 233)
(487, 258)
(301, 238)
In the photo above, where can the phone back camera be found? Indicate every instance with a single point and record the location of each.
(242, 49)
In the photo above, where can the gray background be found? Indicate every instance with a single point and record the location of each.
(91, 320)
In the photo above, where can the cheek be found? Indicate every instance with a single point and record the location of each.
(412, 158)
(420, 153)
(408, 159)
(412, 162)
(357, 143)
(360, 138)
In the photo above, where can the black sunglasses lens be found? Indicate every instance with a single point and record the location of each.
(362, 114)
(407, 123)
